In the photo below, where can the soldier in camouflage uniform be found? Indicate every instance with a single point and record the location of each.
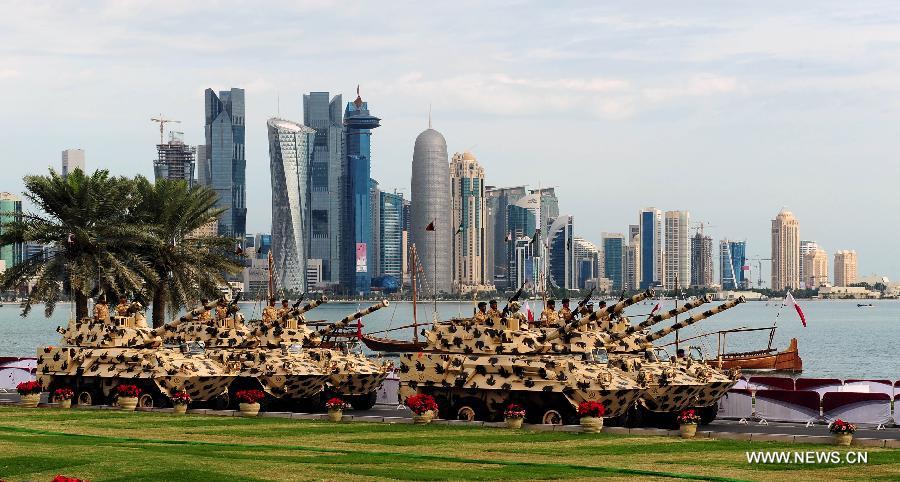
(549, 318)
(285, 309)
(516, 320)
(101, 310)
(122, 307)
(205, 315)
(565, 313)
(270, 314)
(492, 311)
(221, 311)
(481, 316)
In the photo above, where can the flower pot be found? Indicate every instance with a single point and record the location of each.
(423, 418)
(67, 403)
(179, 408)
(335, 415)
(249, 409)
(128, 403)
(843, 439)
(688, 430)
(31, 400)
(514, 422)
(591, 424)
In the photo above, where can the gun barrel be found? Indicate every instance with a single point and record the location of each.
(347, 319)
(690, 321)
(652, 320)
(189, 316)
(597, 315)
(296, 312)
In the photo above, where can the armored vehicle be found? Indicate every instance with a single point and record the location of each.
(474, 370)
(95, 356)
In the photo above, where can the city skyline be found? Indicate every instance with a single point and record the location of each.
(824, 103)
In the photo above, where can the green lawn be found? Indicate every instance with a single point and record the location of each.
(37, 444)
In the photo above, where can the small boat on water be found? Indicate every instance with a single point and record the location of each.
(864, 305)
(763, 360)
(390, 345)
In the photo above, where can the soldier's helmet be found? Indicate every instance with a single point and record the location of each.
(515, 305)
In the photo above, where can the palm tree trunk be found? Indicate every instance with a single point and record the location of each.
(159, 307)
(81, 306)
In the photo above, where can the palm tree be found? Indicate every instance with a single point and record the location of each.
(87, 222)
(186, 266)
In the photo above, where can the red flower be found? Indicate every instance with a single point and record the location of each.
(688, 416)
(421, 403)
(63, 478)
(249, 396)
(29, 388)
(840, 426)
(63, 394)
(514, 410)
(335, 403)
(591, 409)
(127, 391)
(182, 397)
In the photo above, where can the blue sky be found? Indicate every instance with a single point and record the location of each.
(728, 110)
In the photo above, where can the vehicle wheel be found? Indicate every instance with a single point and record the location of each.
(364, 402)
(635, 417)
(551, 416)
(87, 397)
(708, 414)
(470, 409)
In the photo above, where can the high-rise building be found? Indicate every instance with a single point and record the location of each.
(72, 159)
(289, 150)
(430, 207)
(732, 263)
(587, 262)
(548, 208)
(677, 257)
(375, 268)
(358, 123)
(225, 165)
(393, 253)
(175, 160)
(815, 268)
(614, 251)
(10, 211)
(806, 247)
(561, 261)
(844, 267)
(632, 266)
(521, 222)
(497, 202)
(701, 261)
(651, 266)
(468, 209)
(785, 251)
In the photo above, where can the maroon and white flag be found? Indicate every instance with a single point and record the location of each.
(789, 300)
(655, 308)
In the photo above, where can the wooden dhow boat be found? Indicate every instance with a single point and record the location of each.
(389, 345)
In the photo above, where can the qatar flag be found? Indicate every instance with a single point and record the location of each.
(655, 308)
(529, 315)
(789, 300)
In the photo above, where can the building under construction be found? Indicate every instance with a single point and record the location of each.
(175, 159)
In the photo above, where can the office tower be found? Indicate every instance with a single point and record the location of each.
(561, 260)
(468, 209)
(375, 248)
(588, 263)
(521, 222)
(815, 268)
(226, 166)
(72, 159)
(289, 151)
(701, 261)
(806, 247)
(430, 207)
(356, 275)
(548, 208)
(632, 267)
(733, 264)
(785, 251)
(844, 268)
(327, 183)
(10, 211)
(614, 251)
(497, 202)
(175, 159)
(678, 250)
(650, 228)
(393, 253)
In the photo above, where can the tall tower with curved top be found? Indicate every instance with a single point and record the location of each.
(430, 203)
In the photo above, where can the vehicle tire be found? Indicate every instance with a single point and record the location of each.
(151, 397)
(470, 409)
(87, 396)
(364, 402)
(708, 414)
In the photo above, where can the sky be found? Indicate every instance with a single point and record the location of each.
(731, 110)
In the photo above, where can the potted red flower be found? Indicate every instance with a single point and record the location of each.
(248, 401)
(688, 421)
(335, 408)
(127, 396)
(591, 413)
(843, 432)
(180, 401)
(63, 397)
(423, 406)
(514, 415)
(30, 393)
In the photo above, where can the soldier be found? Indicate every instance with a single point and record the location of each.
(136, 310)
(516, 320)
(481, 314)
(270, 314)
(549, 318)
(122, 307)
(101, 309)
(565, 313)
(206, 315)
(492, 311)
(221, 311)
(285, 309)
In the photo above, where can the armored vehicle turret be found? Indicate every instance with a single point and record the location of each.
(95, 356)
(474, 370)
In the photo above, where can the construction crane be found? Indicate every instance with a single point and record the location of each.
(700, 226)
(162, 123)
(759, 269)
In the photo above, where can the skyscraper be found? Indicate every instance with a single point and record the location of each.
(521, 222)
(587, 262)
(815, 268)
(785, 251)
(225, 165)
(374, 250)
(678, 250)
(548, 209)
(289, 150)
(430, 207)
(391, 234)
(561, 263)
(72, 159)
(732, 260)
(651, 267)
(806, 247)
(328, 185)
(175, 160)
(10, 210)
(497, 201)
(614, 259)
(468, 209)
(701, 261)
(844, 267)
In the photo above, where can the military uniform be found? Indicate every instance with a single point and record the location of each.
(101, 312)
(205, 316)
(221, 313)
(270, 314)
(122, 309)
(516, 319)
(549, 318)
(493, 313)
(565, 314)
(480, 318)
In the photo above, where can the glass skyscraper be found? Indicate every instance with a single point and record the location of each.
(225, 166)
(430, 203)
(561, 236)
(10, 210)
(391, 234)
(497, 202)
(613, 259)
(732, 258)
(522, 224)
(650, 226)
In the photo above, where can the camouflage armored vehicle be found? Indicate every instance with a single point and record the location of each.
(95, 356)
(474, 370)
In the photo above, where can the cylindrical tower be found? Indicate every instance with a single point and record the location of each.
(430, 203)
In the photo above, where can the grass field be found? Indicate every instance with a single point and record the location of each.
(106, 445)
